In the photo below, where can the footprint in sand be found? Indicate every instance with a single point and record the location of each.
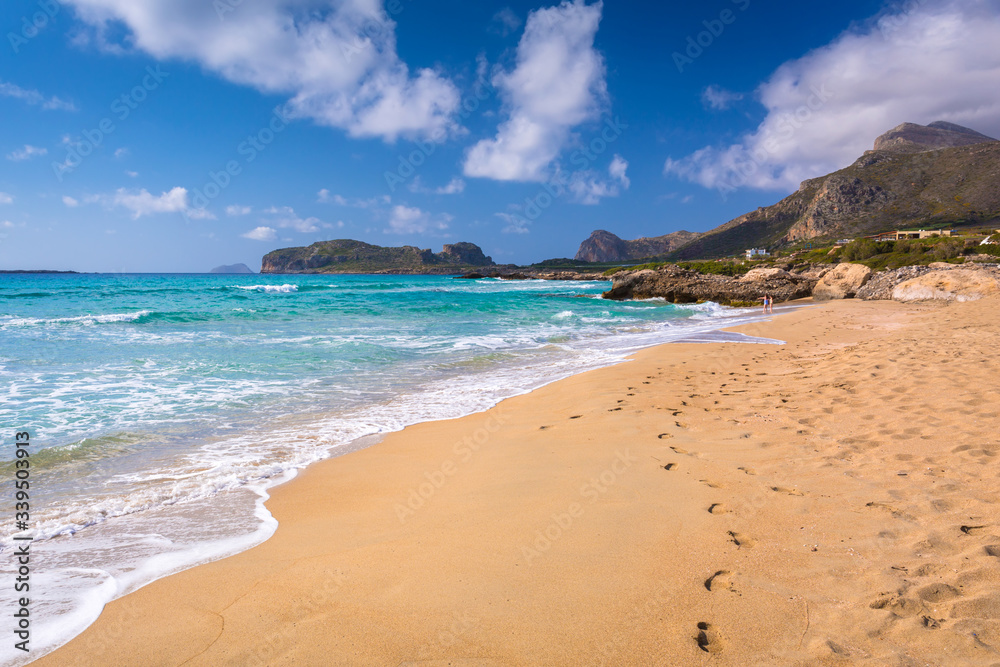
(718, 508)
(973, 530)
(577, 417)
(938, 593)
(711, 485)
(708, 638)
(542, 428)
(670, 466)
(748, 471)
(679, 450)
(993, 550)
(741, 540)
(721, 580)
(664, 436)
(787, 491)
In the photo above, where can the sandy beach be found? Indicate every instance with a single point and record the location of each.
(828, 501)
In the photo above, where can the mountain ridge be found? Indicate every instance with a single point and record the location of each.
(917, 177)
(603, 246)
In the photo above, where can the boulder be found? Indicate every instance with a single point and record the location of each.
(757, 275)
(960, 284)
(879, 287)
(843, 282)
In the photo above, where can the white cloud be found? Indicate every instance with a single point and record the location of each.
(26, 153)
(132, 174)
(7, 224)
(235, 210)
(720, 99)
(505, 22)
(406, 220)
(261, 234)
(285, 217)
(6, 198)
(325, 197)
(143, 203)
(455, 186)
(589, 187)
(337, 61)
(557, 84)
(70, 202)
(515, 224)
(121, 152)
(617, 169)
(34, 98)
(937, 61)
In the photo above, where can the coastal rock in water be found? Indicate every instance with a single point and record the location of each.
(950, 285)
(464, 254)
(843, 282)
(679, 285)
(232, 268)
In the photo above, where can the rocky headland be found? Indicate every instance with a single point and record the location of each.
(603, 246)
(349, 256)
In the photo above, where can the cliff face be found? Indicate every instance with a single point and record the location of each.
(604, 246)
(348, 256)
(918, 175)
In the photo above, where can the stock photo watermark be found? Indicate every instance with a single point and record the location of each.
(32, 25)
(249, 149)
(408, 164)
(699, 43)
(465, 451)
(559, 184)
(121, 108)
(592, 491)
(773, 140)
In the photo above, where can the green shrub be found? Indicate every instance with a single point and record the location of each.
(992, 250)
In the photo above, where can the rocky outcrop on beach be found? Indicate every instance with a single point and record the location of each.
(842, 282)
(879, 287)
(679, 285)
(603, 246)
(958, 283)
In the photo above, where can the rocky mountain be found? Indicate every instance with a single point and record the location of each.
(604, 246)
(348, 256)
(913, 138)
(232, 268)
(917, 175)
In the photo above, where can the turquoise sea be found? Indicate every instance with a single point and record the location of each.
(162, 407)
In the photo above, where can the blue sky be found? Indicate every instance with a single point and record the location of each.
(177, 135)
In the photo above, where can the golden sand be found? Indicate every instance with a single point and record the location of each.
(830, 501)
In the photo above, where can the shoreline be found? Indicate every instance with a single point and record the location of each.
(214, 547)
(540, 543)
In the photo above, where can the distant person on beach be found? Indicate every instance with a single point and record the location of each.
(768, 304)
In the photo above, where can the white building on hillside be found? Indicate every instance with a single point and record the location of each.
(756, 252)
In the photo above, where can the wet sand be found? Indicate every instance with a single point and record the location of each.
(830, 501)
